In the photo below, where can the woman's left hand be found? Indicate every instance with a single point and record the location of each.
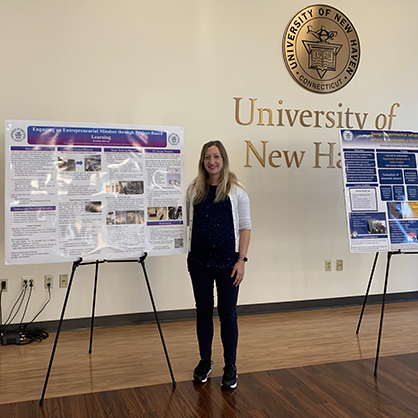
(238, 272)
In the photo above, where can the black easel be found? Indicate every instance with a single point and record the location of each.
(389, 257)
(78, 263)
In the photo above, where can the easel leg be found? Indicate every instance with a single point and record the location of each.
(383, 311)
(156, 318)
(75, 265)
(367, 292)
(94, 306)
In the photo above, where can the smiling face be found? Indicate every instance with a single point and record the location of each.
(213, 162)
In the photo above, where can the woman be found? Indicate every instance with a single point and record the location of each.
(219, 222)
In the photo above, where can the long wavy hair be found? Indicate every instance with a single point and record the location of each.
(201, 183)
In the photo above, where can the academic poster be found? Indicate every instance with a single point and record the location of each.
(96, 191)
(381, 189)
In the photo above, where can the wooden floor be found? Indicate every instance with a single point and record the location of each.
(291, 349)
(343, 390)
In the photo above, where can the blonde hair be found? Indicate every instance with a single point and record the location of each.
(201, 183)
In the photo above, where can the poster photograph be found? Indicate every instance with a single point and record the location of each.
(381, 189)
(95, 191)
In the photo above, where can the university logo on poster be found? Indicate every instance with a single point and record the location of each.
(321, 49)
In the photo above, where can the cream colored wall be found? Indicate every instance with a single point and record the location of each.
(181, 62)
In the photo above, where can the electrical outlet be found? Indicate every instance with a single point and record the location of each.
(339, 265)
(328, 265)
(27, 280)
(4, 284)
(48, 280)
(63, 280)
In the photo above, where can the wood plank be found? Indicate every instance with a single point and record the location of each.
(345, 389)
(132, 356)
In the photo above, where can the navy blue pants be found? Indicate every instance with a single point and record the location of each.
(203, 279)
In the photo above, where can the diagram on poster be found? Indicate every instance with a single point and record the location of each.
(95, 191)
(381, 189)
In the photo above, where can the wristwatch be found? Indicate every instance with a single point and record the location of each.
(243, 258)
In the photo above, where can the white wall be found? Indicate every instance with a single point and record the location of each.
(181, 62)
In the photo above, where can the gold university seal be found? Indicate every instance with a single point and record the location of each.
(321, 49)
